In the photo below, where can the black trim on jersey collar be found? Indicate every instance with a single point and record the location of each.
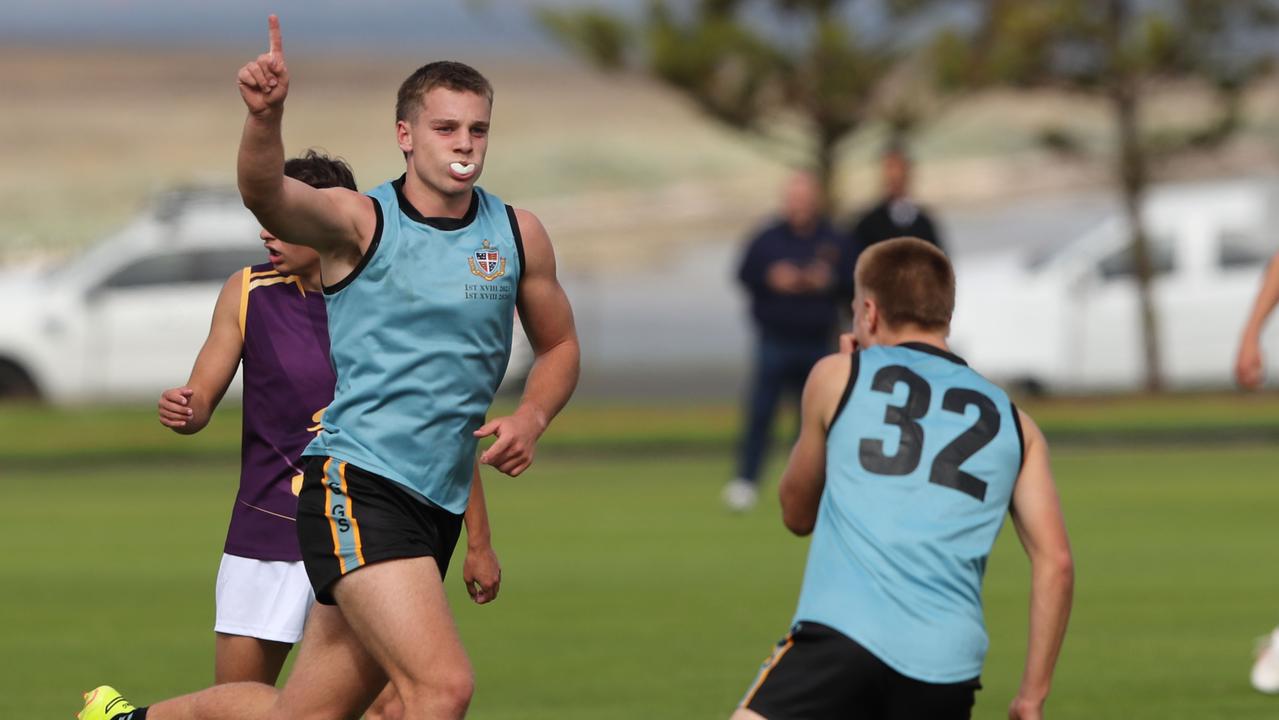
(439, 223)
(856, 364)
(519, 237)
(368, 254)
(934, 350)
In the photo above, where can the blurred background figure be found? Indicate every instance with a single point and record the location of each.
(896, 215)
(1250, 373)
(789, 271)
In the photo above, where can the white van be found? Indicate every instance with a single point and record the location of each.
(1068, 319)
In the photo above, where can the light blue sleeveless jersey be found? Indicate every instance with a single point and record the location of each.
(420, 336)
(921, 460)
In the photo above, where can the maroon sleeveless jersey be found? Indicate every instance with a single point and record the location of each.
(288, 381)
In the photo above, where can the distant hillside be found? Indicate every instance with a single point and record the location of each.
(613, 163)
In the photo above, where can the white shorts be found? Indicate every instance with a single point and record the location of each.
(262, 599)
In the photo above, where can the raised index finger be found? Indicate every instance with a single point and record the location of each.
(273, 31)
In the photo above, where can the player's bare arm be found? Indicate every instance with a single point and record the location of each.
(481, 571)
(337, 222)
(1248, 364)
(1036, 514)
(800, 490)
(548, 321)
(187, 409)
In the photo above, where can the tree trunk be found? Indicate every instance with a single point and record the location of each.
(824, 166)
(1131, 168)
(821, 114)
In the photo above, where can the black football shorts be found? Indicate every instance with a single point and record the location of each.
(349, 518)
(818, 672)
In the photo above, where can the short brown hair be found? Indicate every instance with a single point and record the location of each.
(320, 171)
(911, 280)
(444, 73)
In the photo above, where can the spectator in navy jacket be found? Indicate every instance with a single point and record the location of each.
(790, 272)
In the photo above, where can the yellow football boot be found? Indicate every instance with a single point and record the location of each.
(104, 703)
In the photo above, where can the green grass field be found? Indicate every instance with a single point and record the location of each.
(628, 592)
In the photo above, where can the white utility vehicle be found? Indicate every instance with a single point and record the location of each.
(125, 319)
(1067, 320)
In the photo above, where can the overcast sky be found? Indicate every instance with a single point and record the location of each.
(391, 25)
(395, 26)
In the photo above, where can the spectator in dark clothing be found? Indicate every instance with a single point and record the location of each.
(789, 270)
(894, 216)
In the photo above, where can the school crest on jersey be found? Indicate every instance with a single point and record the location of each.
(487, 263)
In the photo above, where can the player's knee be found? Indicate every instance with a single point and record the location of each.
(450, 691)
(455, 690)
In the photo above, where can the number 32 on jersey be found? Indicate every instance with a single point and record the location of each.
(908, 419)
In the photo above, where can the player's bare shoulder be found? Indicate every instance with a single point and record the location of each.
(1032, 437)
(825, 385)
(231, 295)
(356, 207)
(350, 201)
(835, 365)
(359, 226)
(234, 282)
(539, 255)
(530, 224)
(831, 372)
